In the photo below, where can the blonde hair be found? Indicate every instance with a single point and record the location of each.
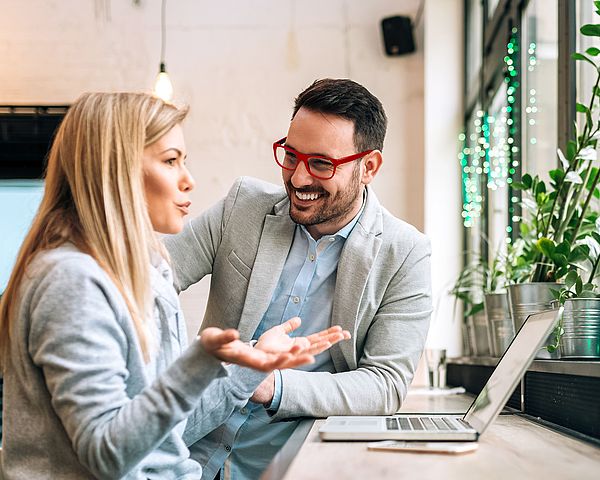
(94, 198)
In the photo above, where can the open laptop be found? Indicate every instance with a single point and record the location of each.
(482, 412)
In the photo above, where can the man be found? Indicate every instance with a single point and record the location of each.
(323, 249)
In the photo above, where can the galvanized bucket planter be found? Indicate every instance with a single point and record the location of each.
(581, 324)
(481, 335)
(500, 323)
(527, 298)
(467, 328)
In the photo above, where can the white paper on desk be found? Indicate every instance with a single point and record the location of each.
(436, 391)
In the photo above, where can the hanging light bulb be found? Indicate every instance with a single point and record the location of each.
(163, 88)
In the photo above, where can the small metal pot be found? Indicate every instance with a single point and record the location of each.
(500, 323)
(527, 298)
(581, 324)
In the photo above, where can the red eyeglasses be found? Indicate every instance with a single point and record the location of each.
(316, 165)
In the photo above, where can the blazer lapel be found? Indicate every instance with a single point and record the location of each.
(359, 253)
(275, 243)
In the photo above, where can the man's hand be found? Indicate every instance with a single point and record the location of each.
(227, 347)
(277, 339)
(265, 391)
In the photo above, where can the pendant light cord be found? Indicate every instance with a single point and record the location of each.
(163, 33)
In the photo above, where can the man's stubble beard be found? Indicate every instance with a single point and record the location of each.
(342, 204)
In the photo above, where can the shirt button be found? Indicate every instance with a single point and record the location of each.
(228, 448)
(244, 411)
(311, 257)
(332, 239)
(296, 299)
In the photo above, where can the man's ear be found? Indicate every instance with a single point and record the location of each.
(371, 164)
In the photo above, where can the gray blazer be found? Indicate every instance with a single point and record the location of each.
(382, 295)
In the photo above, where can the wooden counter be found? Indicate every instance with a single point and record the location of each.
(512, 448)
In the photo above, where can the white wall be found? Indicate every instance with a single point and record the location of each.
(444, 30)
(238, 64)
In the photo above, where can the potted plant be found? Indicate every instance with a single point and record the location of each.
(488, 326)
(579, 330)
(497, 310)
(468, 289)
(561, 216)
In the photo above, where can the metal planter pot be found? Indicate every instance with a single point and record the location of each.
(500, 323)
(527, 298)
(581, 324)
(481, 335)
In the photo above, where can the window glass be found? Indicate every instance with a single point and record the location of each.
(497, 170)
(539, 93)
(472, 160)
(586, 76)
(474, 40)
(491, 8)
(19, 201)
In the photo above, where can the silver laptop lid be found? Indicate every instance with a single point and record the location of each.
(511, 367)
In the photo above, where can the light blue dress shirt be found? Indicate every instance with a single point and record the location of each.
(305, 289)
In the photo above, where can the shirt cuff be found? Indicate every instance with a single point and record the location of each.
(276, 401)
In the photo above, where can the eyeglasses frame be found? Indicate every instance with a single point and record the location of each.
(303, 157)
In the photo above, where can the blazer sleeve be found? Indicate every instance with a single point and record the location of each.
(78, 341)
(393, 345)
(193, 251)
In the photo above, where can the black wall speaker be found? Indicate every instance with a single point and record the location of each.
(397, 35)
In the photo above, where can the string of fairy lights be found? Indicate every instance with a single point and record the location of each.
(489, 149)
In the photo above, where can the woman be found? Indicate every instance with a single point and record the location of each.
(97, 379)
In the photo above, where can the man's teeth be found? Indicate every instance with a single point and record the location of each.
(307, 196)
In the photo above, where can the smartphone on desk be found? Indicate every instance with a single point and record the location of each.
(424, 447)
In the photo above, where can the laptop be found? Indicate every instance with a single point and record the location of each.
(482, 412)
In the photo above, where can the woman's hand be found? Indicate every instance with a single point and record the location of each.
(277, 339)
(227, 347)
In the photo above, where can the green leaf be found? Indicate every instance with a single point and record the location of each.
(527, 180)
(571, 150)
(590, 30)
(593, 51)
(563, 248)
(588, 294)
(546, 246)
(556, 175)
(596, 193)
(560, 260)
(571, 278)
(580, 107)
(579, 253)
(590, 182)
(540, 188)
(579, 56)
(518, 186)
(578, 286)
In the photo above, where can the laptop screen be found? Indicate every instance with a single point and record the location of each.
(511, 368)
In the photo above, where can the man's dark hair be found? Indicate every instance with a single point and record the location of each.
(351, 101)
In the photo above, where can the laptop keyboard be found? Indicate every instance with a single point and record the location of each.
(423, 423)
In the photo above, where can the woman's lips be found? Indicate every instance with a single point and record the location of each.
(184, 207)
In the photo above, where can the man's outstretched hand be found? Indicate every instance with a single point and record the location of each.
(227, 347)
(277, 339)
(275, 349)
